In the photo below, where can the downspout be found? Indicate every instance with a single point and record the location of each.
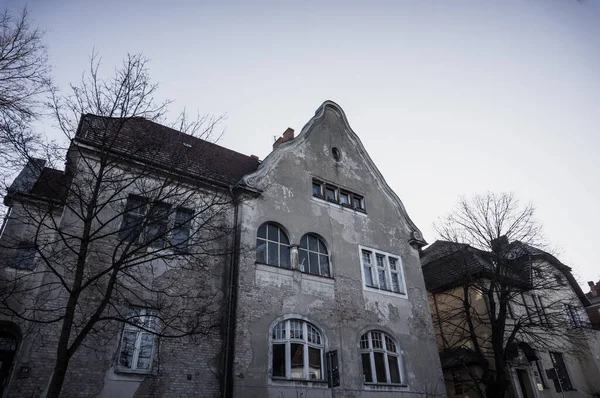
(231, 304)
(4, 220)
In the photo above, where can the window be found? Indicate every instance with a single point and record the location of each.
(457, 383)
(297, 351)
(334, 194)
(380, 359)
(138, 341)
(559, 279)
(382, 271)
(181, 229)
(24, 258)
(575, 317)
(540, 310)
(312, 255)
(272, 246)
(144, 221)
(562, 382)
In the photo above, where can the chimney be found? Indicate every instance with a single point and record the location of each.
(499, 244)
(287, 136)
(254, 157)
(593, 288)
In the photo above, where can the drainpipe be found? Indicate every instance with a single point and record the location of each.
(4, 220)
(231, 304)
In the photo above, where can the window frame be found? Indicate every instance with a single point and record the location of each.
(320, 242)
(279, 244)
(337, 195)
(387, 353)
(145, 315)
(26, 253)
(389, 272)
(287, 341)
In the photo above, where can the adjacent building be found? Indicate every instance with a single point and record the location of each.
(296, 268)
(548, 346)
(593, 310)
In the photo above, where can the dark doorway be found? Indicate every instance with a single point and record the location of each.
(525, 383)
(8, 348)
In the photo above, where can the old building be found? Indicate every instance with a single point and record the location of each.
(548, 346)
(230, 277)
(593, 310)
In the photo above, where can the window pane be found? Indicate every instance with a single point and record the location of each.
(283, 237)
(380, 367)
(262, 231)
(394, 369)
(127, 348)
(322, 248)
(344, 198)
(284, 256)
(260, 251)
(366, 363)
(376, 340)
(357, 202)
(392, 262)
(316, 187)
(25, 258)
(380, 260)
(395, 283)
(272, 253)
(145, 354)
(368, 276)
(382, 279)
(329, 193)
(324, 261)
(313, 263)
(312, 243)
(297, 356)
(304, 242)
(366, 257)
(279, 360)
(279, 331)
(314, 363)
(364, 341)
(303, 260)
(273, 232)
(296, 331)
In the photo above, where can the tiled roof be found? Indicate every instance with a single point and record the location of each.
(144, 140)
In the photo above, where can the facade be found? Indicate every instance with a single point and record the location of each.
(548, 344)
(263, 268)
(593, 310)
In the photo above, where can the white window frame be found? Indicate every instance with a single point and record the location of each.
(375, 268)
(386, 354)
(144, 317)
(288, 341)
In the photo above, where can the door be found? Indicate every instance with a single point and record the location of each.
(8, 347)
(525, 384)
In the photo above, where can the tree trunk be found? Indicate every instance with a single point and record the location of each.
(58, 376)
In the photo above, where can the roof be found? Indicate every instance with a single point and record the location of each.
(151, 142)
(51, 184)
(445, 264)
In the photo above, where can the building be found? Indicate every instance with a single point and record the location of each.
(229, 276)
(545, 340)
(593, 310)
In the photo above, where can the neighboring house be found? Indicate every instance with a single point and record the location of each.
(548, 345)
(593, 310)
(323, 258)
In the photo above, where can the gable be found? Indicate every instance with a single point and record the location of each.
(313, 150)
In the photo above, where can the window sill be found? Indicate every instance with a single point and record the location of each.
(384, 386)
(384, 292)
(129, 372)
(282, 381)
(290, 271)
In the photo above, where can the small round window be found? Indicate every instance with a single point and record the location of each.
(337, 155)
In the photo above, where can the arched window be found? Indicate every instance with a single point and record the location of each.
(312, 255)
(297, 351)
(380, 359)
(272, 246)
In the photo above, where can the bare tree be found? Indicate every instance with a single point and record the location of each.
(24, 78)
(136, 231)
(497, 294)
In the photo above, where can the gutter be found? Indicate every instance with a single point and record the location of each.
(227, 387)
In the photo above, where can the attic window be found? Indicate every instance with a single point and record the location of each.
(559, 279)
(337, 195)
(185, 144)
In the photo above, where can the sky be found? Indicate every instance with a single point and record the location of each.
(449, 98)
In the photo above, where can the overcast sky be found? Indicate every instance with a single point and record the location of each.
(449, 98)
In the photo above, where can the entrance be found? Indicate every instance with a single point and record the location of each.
(8, 348)
(525, 384)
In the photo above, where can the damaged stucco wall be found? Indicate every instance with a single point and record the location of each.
(338, 306)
